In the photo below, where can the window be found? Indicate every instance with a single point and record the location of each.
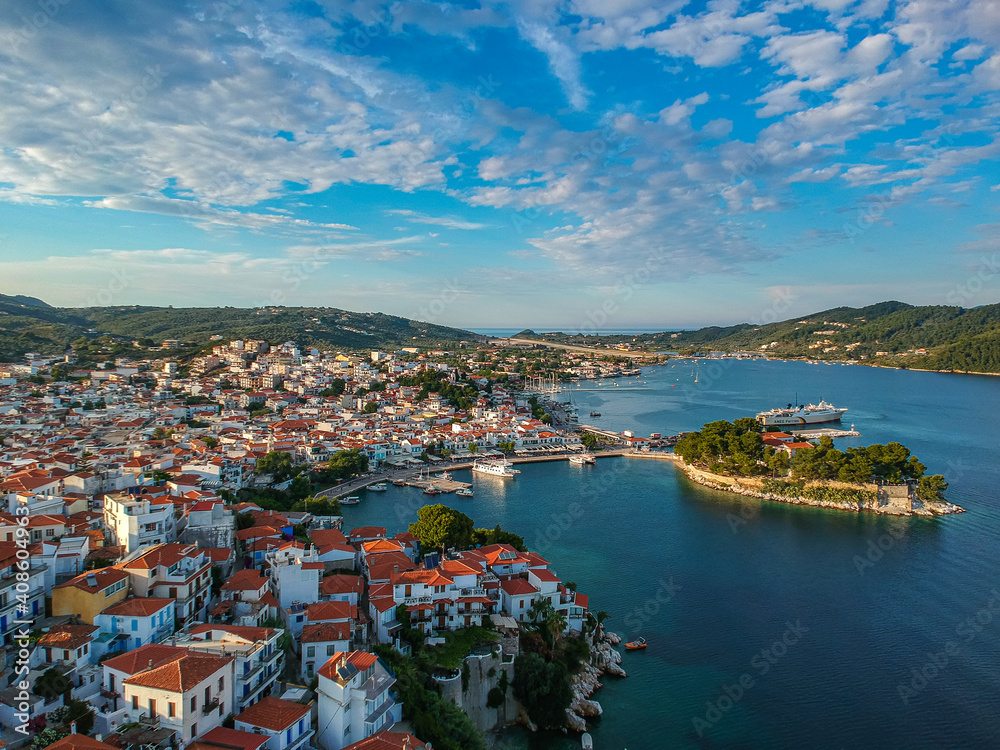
(330, 651)
(310, 651)
(152, 708)
(135, 702)
(347, 730)
(222, 684)
(135, 625)
(194, 703)
(173, 593)
(288, 735)
(171, 709)
(194, 729)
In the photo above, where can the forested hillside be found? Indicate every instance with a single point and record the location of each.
(29, 325)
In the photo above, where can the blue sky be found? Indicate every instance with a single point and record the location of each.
(581, 164)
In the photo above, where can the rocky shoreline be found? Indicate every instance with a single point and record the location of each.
(701, 477)
(604, 660)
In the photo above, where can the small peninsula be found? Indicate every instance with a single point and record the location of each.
(737, 457)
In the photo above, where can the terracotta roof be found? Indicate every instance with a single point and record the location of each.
(138, 607)
(386, 740)
(322, 611)
(273, 713)
(165, 554)
(427, 577)
(68, 636)
(231, 739)
(361, 660)
(138, 660)
(250, 579)
(325, 631)
(79, 742)
(518, 587)
(181, 675)
(104, 577)
(341, 584)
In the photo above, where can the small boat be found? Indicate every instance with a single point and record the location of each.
(595, 413)
(636, 645)
(378, 487)
(399, 482)
(352, 500)
(432, 490)
(464, 492)
(582, 459)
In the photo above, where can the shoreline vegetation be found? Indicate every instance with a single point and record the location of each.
(885, 479)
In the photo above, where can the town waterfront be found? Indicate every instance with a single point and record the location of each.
(801, 627)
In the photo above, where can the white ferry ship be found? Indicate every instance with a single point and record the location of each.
(500, 468)
(801, 415)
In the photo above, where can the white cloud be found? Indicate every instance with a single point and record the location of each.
(449, 222)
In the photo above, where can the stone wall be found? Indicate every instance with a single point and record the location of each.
(481, 681)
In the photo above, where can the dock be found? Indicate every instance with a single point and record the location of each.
(824, 432)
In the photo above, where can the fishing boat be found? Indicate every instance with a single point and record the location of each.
(432, 490)
(464, 492)
(583, 459)
(399, 482)
(352, 500)
(636, 645)
(595, 413)
(378, 487)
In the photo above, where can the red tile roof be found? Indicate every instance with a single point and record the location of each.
(325, 631)
(181, 675)
(231, 739)
(327, 611)
(141, 607)
(387, 740)
(79, 742)
(361, 660)
(273, 713)
(68, 636)
(104, 577)
(138, 660)
(518, 587)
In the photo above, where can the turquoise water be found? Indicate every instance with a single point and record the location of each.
(823, 615)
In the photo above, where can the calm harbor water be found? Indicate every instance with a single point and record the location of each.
(773, 626)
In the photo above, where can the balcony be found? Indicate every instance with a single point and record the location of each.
(210, 706)
(418, 600)
(472, 592)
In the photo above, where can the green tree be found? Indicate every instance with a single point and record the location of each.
(589, 440)
(336, 389)
(371, 407)
(555, 623)
(244, 521)
(473, 448)
(347, 464)
(543, 689)
(276, 463)
(932, 488)
(441, 527)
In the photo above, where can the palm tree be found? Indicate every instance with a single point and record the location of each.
(556, 624)
(540, 610)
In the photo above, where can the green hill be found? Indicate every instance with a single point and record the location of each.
(887, 333)
(28, 325)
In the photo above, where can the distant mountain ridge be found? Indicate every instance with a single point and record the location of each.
(891, 333)
(28, 324)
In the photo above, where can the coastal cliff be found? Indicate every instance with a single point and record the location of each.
(872, 498)
(604, 660)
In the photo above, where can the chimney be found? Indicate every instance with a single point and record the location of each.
(395, 570)
(72, 727)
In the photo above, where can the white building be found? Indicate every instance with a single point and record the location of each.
(287, 725)
(353, 699)
(137, 521)
(175, 571)
(259, 660)
(190, 694)
(140, 620)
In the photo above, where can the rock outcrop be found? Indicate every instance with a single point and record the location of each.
(603, 660)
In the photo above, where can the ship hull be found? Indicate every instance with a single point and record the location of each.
(797, 420)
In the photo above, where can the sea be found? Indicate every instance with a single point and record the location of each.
(770, 625)
(571, 330)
